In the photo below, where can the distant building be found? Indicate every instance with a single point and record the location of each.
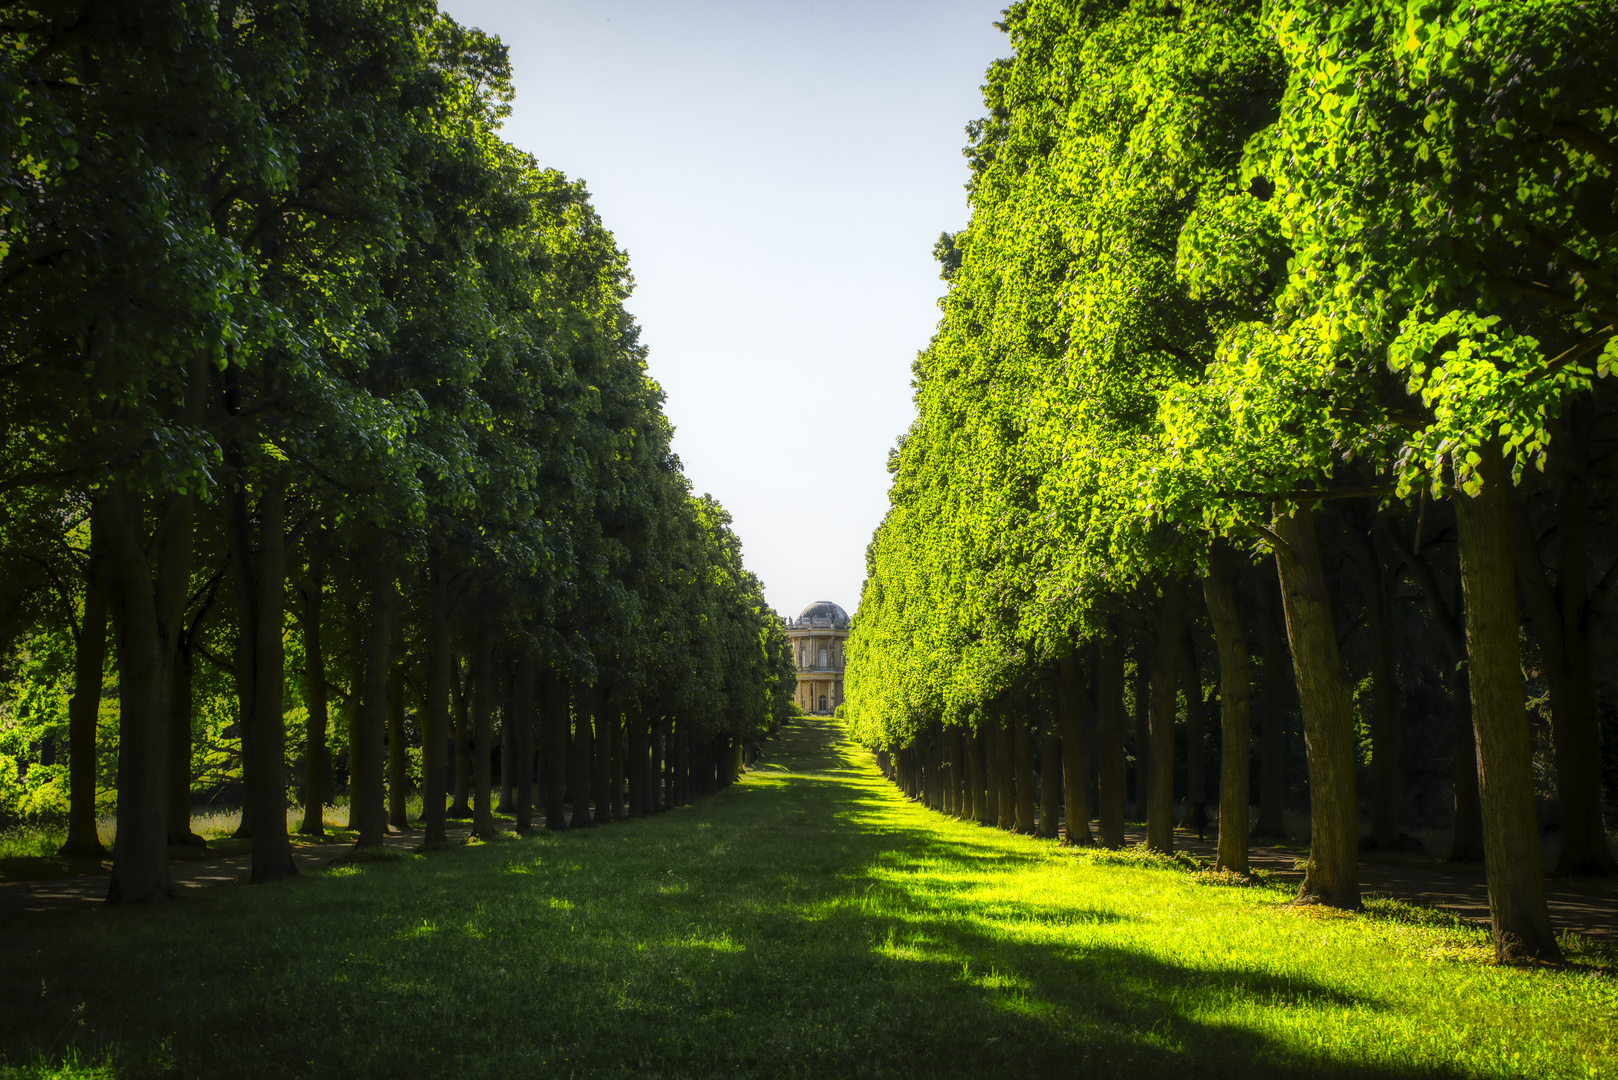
(818, 634)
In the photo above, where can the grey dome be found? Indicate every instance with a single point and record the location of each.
(823, 612)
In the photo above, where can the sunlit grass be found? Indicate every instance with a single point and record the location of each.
(806, 922)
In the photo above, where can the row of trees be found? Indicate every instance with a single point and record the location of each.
(1270, 313)
(306, 372)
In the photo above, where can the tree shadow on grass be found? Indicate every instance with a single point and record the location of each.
(810, 924)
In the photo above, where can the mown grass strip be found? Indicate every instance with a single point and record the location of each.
(807, 922)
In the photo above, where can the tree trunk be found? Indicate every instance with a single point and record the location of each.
(682, 763)
(1022, 747)
(1273, 679)
(315, 701)
(260, 670)
(1196, 723)
(619, 722)
(398, 755)
(1143, 730)
(1561, 619)
(1072, 703)
(1002, 768)
(483, 735)
(179, 779)
(520, 722)
(663, 763)
(1219, 590)
(1110, 740)
(84, 709)
(555, 762)
(977, 777)
(639, 770)
(1328, 716)
(1375, 586)
(1160, 785)
(435, 710)
(963, 787)
(1522, 925)
(145, 616)
(1467, 846)
(1050, 783)
(365, 755)
(507, 752)
(1468, 843)
(601, 763)
(578, 780)
(460, 689)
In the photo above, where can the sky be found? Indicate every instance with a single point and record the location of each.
(778, 173)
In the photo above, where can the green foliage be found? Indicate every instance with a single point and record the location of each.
(341, 285)
(1224, 259)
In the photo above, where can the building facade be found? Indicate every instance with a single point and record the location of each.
(818, 635)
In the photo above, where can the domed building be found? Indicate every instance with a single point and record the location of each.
(817, 635)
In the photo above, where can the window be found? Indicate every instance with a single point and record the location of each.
(800, 656)
(822, 657)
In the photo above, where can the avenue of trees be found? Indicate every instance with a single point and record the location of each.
(1274, 361)
(329, 454)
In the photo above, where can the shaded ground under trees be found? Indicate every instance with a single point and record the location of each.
(807, 920)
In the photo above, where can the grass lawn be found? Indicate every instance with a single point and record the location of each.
(806, 922)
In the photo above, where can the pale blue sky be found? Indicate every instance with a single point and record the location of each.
(778, 173)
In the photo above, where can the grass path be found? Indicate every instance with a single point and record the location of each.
(806, 922)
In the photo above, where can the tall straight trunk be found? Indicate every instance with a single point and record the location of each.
(1050, 783)
(555, 721)
(977, 777)
(1522, 924)
(1196, 723)
(483, 683)
(1561, 616)
(1110, 739)
(365, 754)
(682, 763)
(1160, 757)
(601, 762)
(435, 710)
(260, 670)
(1007, 760)
(84, 708)
(935, 783)
(1235, 734)
(638, 773)
(180, 711)
(963, 784)
(150, 574)
(1273, 679)
(1143, 729)
(1376, 587)
(1072, 704)
(460, 689)
(317, 710)
(578, 779)
(1448, 618)
(1328, 716)
(663, 760)
(619, 723)
(1467, 845)
(1022, 747)
(507, 752)
(353, 714)
(146, 614)
(520, 721)
(398, 755)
